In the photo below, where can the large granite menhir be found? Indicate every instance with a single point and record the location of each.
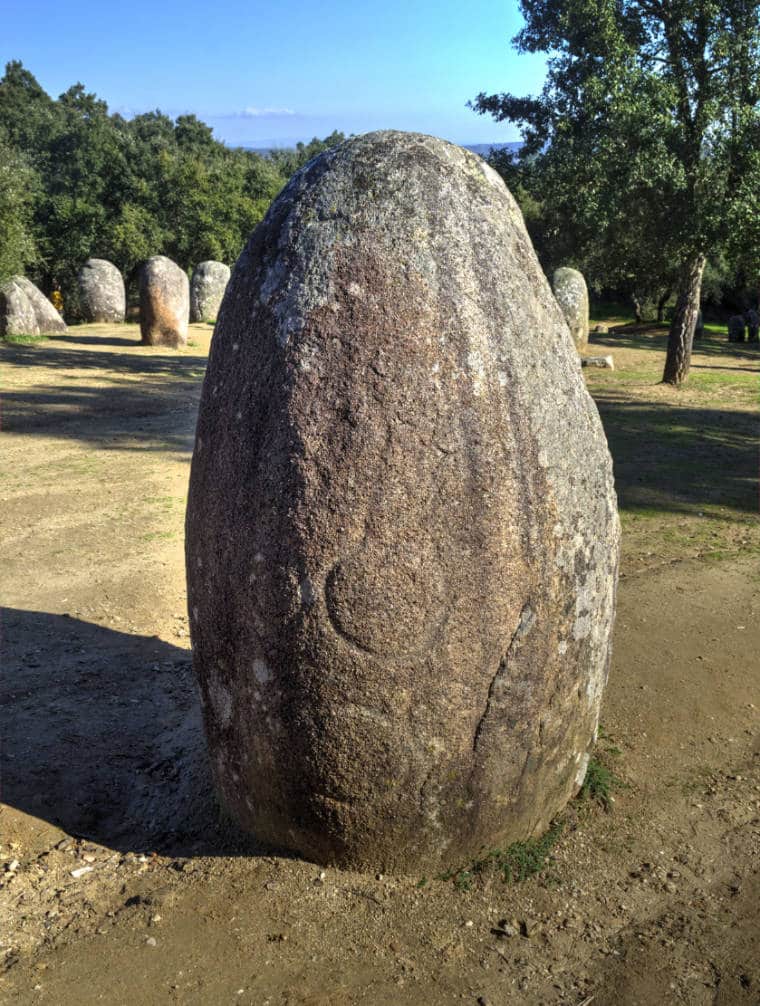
(164, 303)
(25, 310)
(402, 535)
(101, 292)
(207, 288)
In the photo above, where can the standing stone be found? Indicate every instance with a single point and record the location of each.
(25, 310)
(753, 325)
(402, 536)
(164, 303)
(17, 315)
(736, 328)
(572, 296)
(207, 288)
(699, 327)
(101, 291)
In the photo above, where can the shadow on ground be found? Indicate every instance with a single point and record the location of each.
(50, 355)
(126, 405)
(670, 457)
(102, 737)
(73, 338)
(656, 339)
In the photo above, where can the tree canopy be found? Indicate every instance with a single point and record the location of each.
(18, 184)
(642, 149)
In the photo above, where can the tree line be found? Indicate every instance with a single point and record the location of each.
(77, 181)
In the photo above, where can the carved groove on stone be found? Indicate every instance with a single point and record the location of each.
(527, 617)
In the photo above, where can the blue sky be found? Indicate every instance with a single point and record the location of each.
(270, 74)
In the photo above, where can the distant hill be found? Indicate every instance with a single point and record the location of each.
(484, 149)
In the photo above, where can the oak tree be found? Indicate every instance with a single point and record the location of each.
(648, 127)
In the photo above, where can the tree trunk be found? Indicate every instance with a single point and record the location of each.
(636, 309)
(682, 327)
(661, 304)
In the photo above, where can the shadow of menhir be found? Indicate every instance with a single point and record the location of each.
(679, 459)
(102, 736)
(77, 339)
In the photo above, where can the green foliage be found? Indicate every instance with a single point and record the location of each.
(77, 181)
(289, 161)
(24, 340)
(18, 184)
(515, 863)
(525, 859)
(598, 784)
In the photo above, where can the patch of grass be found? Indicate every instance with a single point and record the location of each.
(165, 502)
(736, 379)
(516, 863)
(601, 781)
(525, 859)
(463, 880)
(598, 784)
(718, 555)
(24, 340)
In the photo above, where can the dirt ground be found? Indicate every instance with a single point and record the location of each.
(122, 883)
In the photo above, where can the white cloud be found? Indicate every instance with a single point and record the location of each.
(252, 112)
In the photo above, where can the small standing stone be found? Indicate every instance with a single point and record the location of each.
(25, 310)
(699, 328)
(736, 328)
(207, 288)
(101, 291)
(16, 312)
(572, 296)
(753, 325)
(164, 303)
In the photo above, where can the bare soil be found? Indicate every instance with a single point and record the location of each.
(120, 880)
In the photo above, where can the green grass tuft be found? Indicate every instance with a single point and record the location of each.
(598, 785)
(24, 340)
(525, 859)
(515, 863)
